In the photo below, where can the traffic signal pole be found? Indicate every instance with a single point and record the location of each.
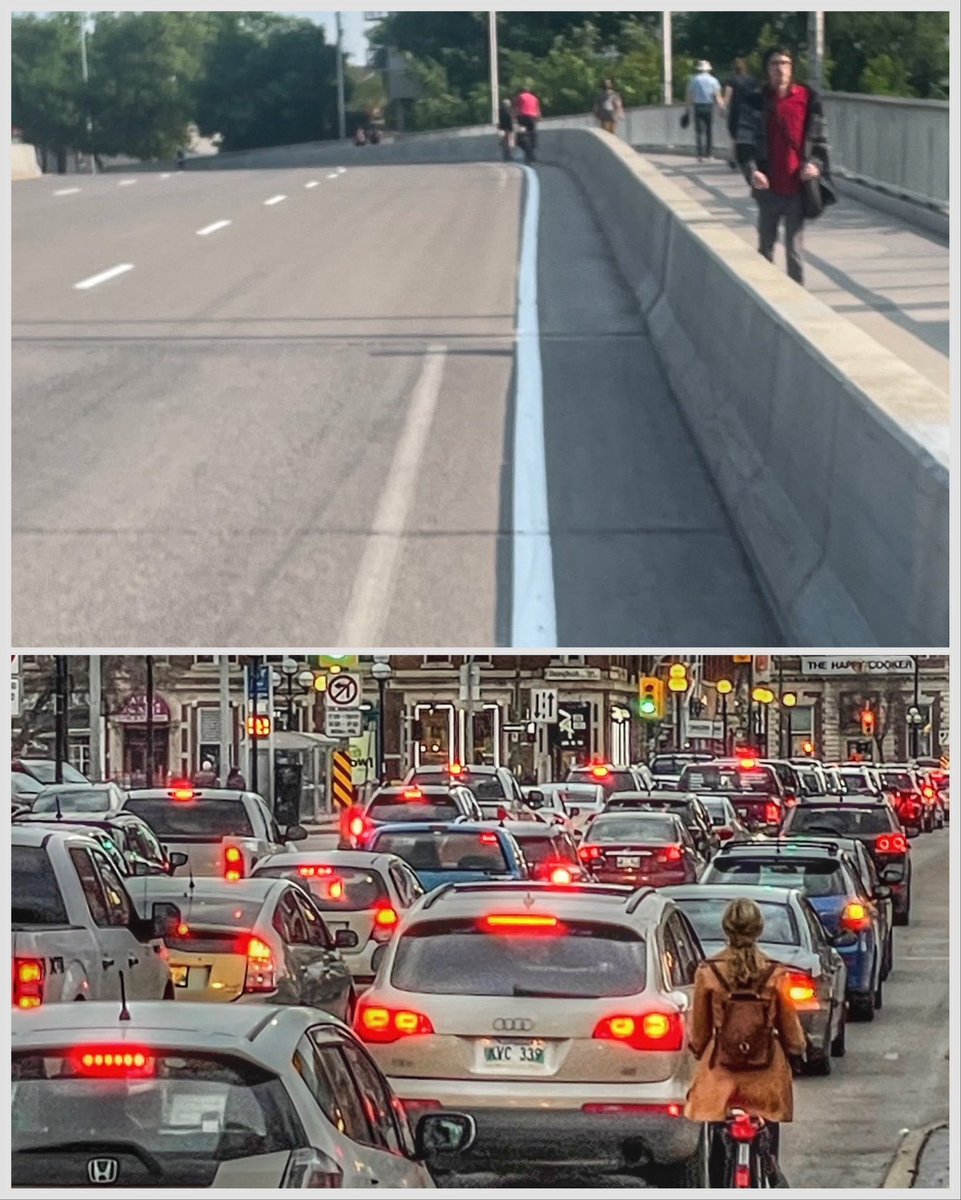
(254, 679)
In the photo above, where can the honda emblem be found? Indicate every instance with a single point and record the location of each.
(103, 1170)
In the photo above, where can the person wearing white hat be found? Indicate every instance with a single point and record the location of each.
(703, 94)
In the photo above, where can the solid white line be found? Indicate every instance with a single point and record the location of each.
(341, 170)
(126, 182)
(313, 183)
(212, 228)
(334, 175)
(533, 613)
(66, 191)
(112, 273)
(372, 591)
(275, 199)
(165, 174)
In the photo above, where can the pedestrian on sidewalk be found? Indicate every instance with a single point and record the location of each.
(206, 776)
(781, 143)
(609, 107)
(737, 86)
(703, 95)
(235, 779)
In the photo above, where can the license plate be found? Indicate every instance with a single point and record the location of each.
(629, 860)
(515, 1054)
(193, 978)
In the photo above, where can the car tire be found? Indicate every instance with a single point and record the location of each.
(839, 1042)
(818, 1063)
(878, 1000)
(861, 1006)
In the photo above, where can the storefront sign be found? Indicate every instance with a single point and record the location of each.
(134, 711)
(574, 725)
(857, 666)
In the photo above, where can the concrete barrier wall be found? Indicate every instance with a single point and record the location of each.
(24, 162)
(831, 455)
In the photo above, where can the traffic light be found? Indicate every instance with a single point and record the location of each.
(651, 698)
(338, 662)
(258, 726)
(807, 748)
(867, 721)
(677, 677)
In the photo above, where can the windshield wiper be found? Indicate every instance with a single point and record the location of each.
(523, 991)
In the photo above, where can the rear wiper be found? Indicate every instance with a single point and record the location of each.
(523, 991)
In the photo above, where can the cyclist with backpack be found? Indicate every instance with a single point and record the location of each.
(744, 1032)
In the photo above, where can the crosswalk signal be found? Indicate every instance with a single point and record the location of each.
(867, 721)
(677, 677)
(651, 698)
(258, 726)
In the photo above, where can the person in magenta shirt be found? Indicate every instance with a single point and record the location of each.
(527, 108)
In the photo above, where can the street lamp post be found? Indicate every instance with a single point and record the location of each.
(914, 719)
(916, 706)
(788, 702)
(305, 681)
(381, 671)
(495, 76)
(724, 688)
(763, 696)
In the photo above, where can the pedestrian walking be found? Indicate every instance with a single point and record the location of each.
(527, 108)
(703, 95)
(505, 129)
(782, 143)
(739, 84)
(206, 776)
(235, 780)
(181, 158)
(608, 107)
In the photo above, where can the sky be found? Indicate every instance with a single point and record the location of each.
(355, 44)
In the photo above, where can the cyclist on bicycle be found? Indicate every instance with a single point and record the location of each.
(744, 1031)
(528, 110)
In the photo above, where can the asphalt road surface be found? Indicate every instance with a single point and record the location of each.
(279, 408)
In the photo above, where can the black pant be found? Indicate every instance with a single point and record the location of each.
(703, 119)
(529, 128)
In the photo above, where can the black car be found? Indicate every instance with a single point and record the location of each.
(876, 826)
(754, 787)
(694, 816)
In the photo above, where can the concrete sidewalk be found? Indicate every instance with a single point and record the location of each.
(886, 276)
(922, 1159)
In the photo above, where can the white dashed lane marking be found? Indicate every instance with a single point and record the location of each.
(275, 200)
(212, 228)
(111, 273)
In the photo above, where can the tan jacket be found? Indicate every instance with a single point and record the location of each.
(767, 1093)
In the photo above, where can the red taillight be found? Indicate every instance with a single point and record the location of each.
(182, 794)
(723, 833)
(314, 872)
(670, 854)
(456, 769)
(488, 839)
(747, 763)
(385, 922)
(801, 987)
(589, 853)
(233, 864)
(385, 916)
(261, 974)
(892, 843)
(375, 1023)
(28, 976)
(744, 1128)
(600, 772)
(742, 1176)
(855, 916)
(664, 1110)
(414, 1108)
(413, 794)
(651, 1031)
(772, 813)
(114, 1062)
(525, 922)
(561, 875)
(928, 792)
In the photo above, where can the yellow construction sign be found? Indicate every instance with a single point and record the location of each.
(342, 779)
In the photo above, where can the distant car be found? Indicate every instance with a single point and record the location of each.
(354, 889)
(24, 789)
(687, 806)
(549, 851)
(727, 824)
(451, 853)
(408, 802)
(123, 834)
(45, 770)
(86, 798)
(789, 776)
(252, 941)
(611, 778)
(488, 783)
(666, 768)
(641, 848)
(794, 936)
(574, 802)
(192, 1096)
(860, 779)
(755, 789)
(223, 832)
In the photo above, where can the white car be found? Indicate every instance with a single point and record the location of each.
(194, 1095)
(80, 798)
(556, 1017)
(367, 893)
(572, 804)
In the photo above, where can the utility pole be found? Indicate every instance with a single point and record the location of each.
(668, 51)
(95, 703)
(86, 90)
(226, 739)
(252, 708)
(341, 110)
(148, 761)
(495, 76)
(61, 704)
(816, 49)
(469, 723)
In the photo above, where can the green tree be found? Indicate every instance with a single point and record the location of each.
(47, 100)
(917, 42)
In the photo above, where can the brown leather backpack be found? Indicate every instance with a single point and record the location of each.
(745, 1035)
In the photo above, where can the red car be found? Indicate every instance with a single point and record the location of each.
(643, 849)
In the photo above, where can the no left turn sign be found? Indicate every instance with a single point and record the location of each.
(343, 691)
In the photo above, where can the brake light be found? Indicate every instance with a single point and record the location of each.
(233, 864)
(724, 832)
(928, 792)
(744, 1128)
(456, 769)
(662, 1031)
(261, 975)
(182, 929)
(314, 872)
(772, 813)
(561, 875)
(800, 987)
(413, 794)
(892, 843)
(28, 976)
(664, 1110)
(385, 921)
(600, 772)
(488, 839)
(747, 763)
(742, 1176)
(114, 1062)
(589, 853)
(357, 826)
(670, 854)
(855, 916)
(375, 1023)
(526, 921)
(182, 794)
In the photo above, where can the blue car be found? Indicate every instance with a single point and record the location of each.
(444, 852)
(829, 878)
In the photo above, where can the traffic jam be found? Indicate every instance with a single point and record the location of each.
(466, 974)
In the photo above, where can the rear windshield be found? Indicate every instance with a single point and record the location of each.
(83, 800)
(709, 777)
(667, 764)
(856, 782)
(222, 911)
(843, 821)
(202, 817)
(718, 810)
(814, 877)
(706, 916)
(583, 959)
(664, 804)
(335, 888)
(36, 893)
(46, 771)
(396, 808)
(610, 780)
(540, 849)
(901, 780)
(184, 1104)
(484, 787)
(635, 828)
(445, 851)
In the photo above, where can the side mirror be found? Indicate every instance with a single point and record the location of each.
(346, 939)
(844, 939)
(882, 892)
(912, 831)
(164, 918)
(680, 1000)
(535, 799)
(891, 873)
(377, 958)
(177, 859)
(295, 833)
(438, 1134)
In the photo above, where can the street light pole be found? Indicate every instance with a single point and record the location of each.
(148, 761)
(816, 49)
(494, 71)
(666, 43)
(917, 708)
(86, 91)
(341, 109)
(381, 671)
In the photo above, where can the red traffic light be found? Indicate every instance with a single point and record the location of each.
(868, 720)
